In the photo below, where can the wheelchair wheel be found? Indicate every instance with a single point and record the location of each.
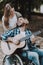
(30, 64)
(15, 61)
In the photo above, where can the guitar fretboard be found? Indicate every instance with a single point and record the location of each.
(28, 36)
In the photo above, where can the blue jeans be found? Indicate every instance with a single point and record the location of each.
(40, 54)
(32, 55)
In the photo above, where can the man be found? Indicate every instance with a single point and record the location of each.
(32, 52)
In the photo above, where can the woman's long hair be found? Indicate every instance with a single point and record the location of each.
(6, 15)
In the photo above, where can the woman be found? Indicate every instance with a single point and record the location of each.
(9, 18)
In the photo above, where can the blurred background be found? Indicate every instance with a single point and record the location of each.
(31, 9)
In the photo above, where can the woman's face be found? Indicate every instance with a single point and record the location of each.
(7, 10)
(12, 11)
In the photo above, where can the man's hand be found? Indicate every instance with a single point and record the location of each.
(13, 40)
(17, 42)
(33, 39)
(10, 39)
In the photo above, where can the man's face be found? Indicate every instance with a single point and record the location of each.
(20, 21)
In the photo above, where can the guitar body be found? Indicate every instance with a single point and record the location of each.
(4, 45)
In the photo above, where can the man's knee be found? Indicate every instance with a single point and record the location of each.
(33, 55)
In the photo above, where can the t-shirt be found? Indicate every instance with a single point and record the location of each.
(12, 23)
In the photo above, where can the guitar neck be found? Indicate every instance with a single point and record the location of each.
(37, 33)
(28, 36)
(24, 38)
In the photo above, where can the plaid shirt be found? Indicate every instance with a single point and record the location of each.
(14, 32)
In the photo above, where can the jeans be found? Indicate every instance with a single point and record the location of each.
(40, 53)
(32, 55)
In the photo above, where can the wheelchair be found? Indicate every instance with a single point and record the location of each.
(18, 59)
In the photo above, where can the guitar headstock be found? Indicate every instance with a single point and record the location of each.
(38, 32)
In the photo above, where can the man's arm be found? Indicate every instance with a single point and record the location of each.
(7, 34)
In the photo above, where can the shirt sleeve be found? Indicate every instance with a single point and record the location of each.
(7, 34)
(29, 33)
